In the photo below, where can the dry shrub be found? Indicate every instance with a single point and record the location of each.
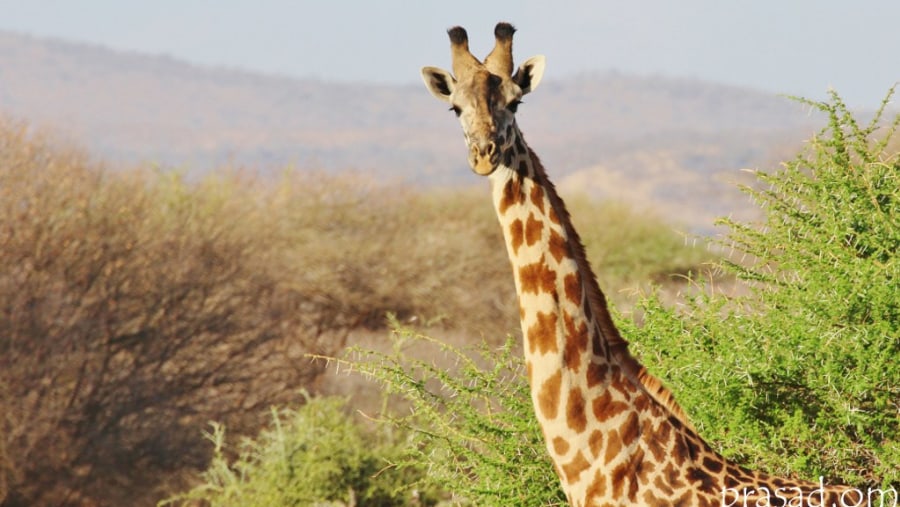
(133, 308)
(435, 257)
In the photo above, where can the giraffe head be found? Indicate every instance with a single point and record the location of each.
(484, 95)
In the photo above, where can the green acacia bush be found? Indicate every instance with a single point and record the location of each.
(473, 424)
(132, 306)
(315, 455)
(802, 376)
(468, 439)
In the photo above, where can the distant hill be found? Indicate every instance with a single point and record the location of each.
(667, 144)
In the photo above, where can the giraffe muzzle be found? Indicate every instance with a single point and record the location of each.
(484, 157)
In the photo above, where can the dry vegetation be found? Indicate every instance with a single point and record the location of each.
(135, 306)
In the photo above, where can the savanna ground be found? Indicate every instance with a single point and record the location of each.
(139, 311)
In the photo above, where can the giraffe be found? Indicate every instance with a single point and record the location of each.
(614, 433)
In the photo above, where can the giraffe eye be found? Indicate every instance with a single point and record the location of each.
(456, 110)
(513, 106)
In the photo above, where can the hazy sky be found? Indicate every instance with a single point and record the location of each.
(798, 47)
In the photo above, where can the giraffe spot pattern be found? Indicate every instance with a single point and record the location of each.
(624, 385)
(652, 500)
(597, 488)
(516, 234)
(534, 229)
(576, 417)
(575, 342)
(613, 446)
(542, 334)
(704, 481)
(596, 373)
(537, 277)
(572, 287)
(684, 500)
(705, 501)
(512, 194)
(560, 446)
(672, 476)
(573, 469)
(548, 396)
(625, 476)
(657, 444)
(537, 198)
(663, 487)
(551, 214)
(606, 408)
(595, 442)
(714, 466)
(680, 450)
(557, 246)
(731, 480)
(641, 403)
(630, 429)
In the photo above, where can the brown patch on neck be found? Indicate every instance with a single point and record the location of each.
(576, 417)
(605, 408)
(557, 246)
(534, 229)
(542, 334)
(572, 286)
(575, 343)
(537, 197)
(512, 194)
(572, 470)
(548, 396)
(597, 373)
(560, 445)
(537, 277)
(516, 234)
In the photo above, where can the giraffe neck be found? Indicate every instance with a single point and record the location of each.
(566, 324)
(612, 430)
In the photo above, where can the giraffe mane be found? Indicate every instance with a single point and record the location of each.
(617, 346)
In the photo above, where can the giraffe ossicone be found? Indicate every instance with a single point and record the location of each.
(614, 433)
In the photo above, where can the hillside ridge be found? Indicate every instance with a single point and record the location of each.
(664, 139)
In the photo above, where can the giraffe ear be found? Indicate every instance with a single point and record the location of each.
(439, 82)
(530, 73)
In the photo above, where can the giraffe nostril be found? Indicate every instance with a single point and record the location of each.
(488, 150)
